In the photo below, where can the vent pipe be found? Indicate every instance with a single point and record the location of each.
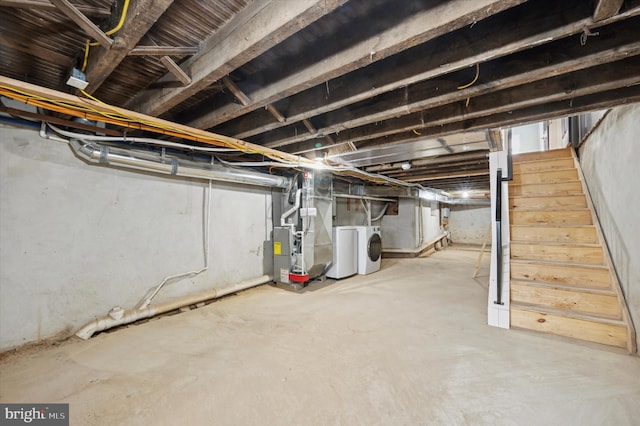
(100, 154)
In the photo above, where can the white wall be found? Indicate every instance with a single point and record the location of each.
(401, 231)
(78, 239)
(430, 220)
(609, 160)
(469, 224)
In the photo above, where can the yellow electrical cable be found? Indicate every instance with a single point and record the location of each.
(466, 104)
(474, 79)
(123, 16)
(86, 56)
(120, 118)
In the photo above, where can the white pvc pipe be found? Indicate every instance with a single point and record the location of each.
(118, 316)
(285, 215)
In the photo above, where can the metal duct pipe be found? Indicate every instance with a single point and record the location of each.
(118, 316)
(100, 154)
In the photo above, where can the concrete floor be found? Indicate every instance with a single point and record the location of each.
(405, 346)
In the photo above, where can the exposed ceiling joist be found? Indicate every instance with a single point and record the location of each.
(486, 41)
(47, 5)
(563, 56)
(175, 70)
(140, 18)
(418, 28)
(162, 51)
(606, 9)
(257, 28)
(83, 22)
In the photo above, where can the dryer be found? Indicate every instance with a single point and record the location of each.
(369, 249)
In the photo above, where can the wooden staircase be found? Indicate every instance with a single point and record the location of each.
(562, 281)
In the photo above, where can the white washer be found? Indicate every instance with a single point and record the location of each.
(369, 249)
(345, 252)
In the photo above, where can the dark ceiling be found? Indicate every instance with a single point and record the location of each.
(371, 82)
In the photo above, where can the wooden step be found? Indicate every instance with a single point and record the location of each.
(542, 155)
(591, 276)
(598, 330)
(601, 303)
(543, 189)
(543, 165)
(551, 176)
(551, 217)
(551, 233)
(569, 253)
(548, 202)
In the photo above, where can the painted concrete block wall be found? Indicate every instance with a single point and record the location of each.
(398, 232)
(430, 221)
(609, 161)
(401, 231)
(77, 239)
(469, 224)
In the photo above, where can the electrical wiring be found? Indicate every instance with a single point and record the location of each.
(474, 79)
(466, 104)
(116, 116)
(137, 140)
(123, 16)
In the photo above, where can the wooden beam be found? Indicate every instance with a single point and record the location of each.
(418, 28)
(276, 114)
(594, 102)
(233, 88)
(447, 175)
(489, 39)
(83, 22)
(401, 85)
(46, 5)
(163, 51)
(257, 28)
(310, 127)
(561, 57)
(565, 87)
(606, 9)
(175, 70)
(23, 91)
(140, 18)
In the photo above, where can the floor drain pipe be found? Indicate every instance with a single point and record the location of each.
(118, 316)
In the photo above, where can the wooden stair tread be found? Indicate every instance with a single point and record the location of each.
(552, 263)
(550, 196)
(568, 263)
(538, 172)
(565, 287)
(549, 209)
(550, 225)
(567, 314)
(548, 183)
(542, 155)
(557, 244)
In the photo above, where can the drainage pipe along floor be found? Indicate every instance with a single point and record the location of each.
(405, 346)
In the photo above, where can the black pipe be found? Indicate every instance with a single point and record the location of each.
(499, 237)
